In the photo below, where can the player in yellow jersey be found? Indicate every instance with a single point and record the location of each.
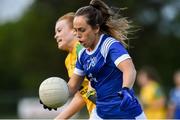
(151, 94)
(64, 34)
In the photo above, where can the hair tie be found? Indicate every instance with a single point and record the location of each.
(93, 6)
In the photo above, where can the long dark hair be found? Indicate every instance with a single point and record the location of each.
(109, 20)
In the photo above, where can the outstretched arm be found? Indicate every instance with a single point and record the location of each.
(73, 107)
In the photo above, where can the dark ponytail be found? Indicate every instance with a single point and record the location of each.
(105, 10)
(110, 22)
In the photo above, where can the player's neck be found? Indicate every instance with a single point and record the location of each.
(93, 46)
(72, 45)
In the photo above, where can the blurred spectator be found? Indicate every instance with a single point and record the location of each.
(151, 95)
(174, 99)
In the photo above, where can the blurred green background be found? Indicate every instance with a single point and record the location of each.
(29, 53)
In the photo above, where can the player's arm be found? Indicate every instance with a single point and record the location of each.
(73, 107)
(123, 62)
(170, 110)
(75, 83)
(129, 72)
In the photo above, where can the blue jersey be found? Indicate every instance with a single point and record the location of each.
(100, 67)
(175, 99)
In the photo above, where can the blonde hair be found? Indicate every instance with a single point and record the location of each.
(69, 17)
(109, 20)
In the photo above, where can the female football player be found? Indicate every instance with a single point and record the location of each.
(105, 62)
(64, 35)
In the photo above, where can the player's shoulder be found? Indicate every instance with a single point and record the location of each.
(80, 53)
(108, 41)
(79, 47)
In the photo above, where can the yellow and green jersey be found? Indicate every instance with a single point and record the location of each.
(70, 65)
(148, 95)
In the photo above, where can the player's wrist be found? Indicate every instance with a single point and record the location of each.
(125, 91)
(126, 88)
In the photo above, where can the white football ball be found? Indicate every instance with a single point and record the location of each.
(53, 92)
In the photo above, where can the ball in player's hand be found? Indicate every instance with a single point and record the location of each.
(53, 92)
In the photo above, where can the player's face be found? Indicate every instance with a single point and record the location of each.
(86, 35)
(63, 34)
(142, 79)
(177, 79)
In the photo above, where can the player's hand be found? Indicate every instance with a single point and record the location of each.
(91, 95)
(46, 107)
(127, 97)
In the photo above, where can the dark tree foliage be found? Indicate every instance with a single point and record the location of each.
(29, 53)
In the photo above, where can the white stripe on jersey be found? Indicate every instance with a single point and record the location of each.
(79, 72)
(106, 45)
(121, 58)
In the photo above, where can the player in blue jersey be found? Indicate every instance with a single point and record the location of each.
(105, 62)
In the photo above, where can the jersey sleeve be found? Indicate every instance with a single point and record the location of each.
(118, 53)
(172, 99)
(79, 67)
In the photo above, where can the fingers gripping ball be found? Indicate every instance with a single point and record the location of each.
(53, 92)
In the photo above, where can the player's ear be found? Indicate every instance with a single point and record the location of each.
(96, 28)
